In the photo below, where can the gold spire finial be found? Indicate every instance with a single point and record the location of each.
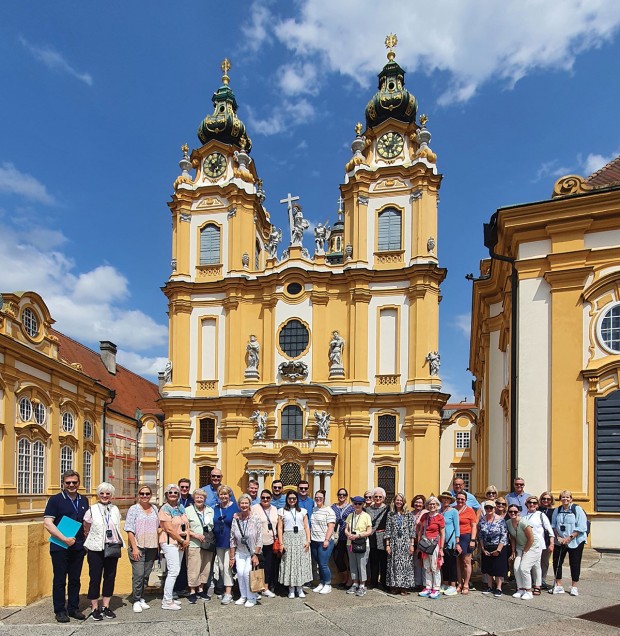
(184, 148)
(226, 66)
(390, 43)
(423, 120)
(243, 142)
(358, 128)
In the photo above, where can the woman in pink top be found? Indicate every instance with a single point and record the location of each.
(432, 526)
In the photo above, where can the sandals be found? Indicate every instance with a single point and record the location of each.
(536, 591)
(465, 589)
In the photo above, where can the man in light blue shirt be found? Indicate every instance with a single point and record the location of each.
(518, 496)
(279, 498)
(459, 487)
(303, 500)
(253, 491)
(211, 489)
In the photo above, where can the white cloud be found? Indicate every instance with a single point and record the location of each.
(463, 323)
(594, 162)
(141, 365)
(256, 32)
(12, 181)
(552, 168)
(86, 306)
(291, 113)
(299, 79)
(55, 61)
(448, 37)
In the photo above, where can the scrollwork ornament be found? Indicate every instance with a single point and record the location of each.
(570, 184)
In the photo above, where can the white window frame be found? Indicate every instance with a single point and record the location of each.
(67, 417)
(88, 430)
(38, 467)
(88, 471)
(209, 255)
(30, 320)
(463, 440)
(384, 218)
(66, 459)
(25, 409)
(24, 463)
(599, 328)
(39, 412)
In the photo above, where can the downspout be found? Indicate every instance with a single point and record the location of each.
(112, 396)
(490, 242)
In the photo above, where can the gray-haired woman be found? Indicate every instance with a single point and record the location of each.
(102, 527)
(200, 553)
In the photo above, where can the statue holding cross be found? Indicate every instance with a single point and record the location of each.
(296, 220)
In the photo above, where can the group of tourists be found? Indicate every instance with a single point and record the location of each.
(209, 537)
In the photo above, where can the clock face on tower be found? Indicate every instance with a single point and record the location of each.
(390, 145)
(214, 165)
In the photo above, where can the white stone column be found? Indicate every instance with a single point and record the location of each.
(261, 480)
(316, 481)
(327, 484)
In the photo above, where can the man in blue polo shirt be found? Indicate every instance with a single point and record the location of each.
(211, 489)
(279, 498)
(302, 498)
(518, 496)
(66, 561)
(459, 487)
(253, 491)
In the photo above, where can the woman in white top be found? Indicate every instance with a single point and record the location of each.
(540, 523)
(294, 536)
(322, 540)
(102, 527)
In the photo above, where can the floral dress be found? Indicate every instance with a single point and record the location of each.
(491, 534)
(400, 532)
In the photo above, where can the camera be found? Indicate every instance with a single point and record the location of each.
(269, 526)
(244, 542)
(295, 529)
(109, 534)
(182, 527)
(205, 529)
(563, 528)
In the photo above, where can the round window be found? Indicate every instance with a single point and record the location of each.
(39, 413)
(30, 322)
(609, 329)
(67, 422)
(294, 338)
(293, 289)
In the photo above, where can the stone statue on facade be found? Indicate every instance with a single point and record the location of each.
(300, 225)
(322, 423)
(336, 347)
(168, 372)
(260, 420)
(253, 357)
(434, 360)
(275, 236)
(321, 236)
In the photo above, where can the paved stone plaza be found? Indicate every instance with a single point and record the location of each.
(338, 614)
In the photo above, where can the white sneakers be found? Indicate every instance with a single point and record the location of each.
(318, 588)
(518, 594)
(137, 607)
(227, 599)
(300, 593)
(556, 589)
(527, 596)
(326, 589)
(241, 601)
(144, 605)
(574, 591)
(170, 605)
(250, 603)
(268, 593)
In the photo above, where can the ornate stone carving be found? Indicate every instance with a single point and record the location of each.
(168, 372)
(252, 357)
(245, 260)
(232, 212)
(173, 264)
(434, 360)
(260, 420)
(186, 165)
(415, 195)
(336, 347)
(293, 370)
(185, 217)
(430, 245)
(299, 226)
(570, 184)
(243, 160)
(389, 257)
(322, 423)
(362, 200)
(275, 236)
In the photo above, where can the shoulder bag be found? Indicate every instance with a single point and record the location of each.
(425, 544)
(358, 546)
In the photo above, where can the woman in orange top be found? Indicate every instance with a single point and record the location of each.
(469, 528)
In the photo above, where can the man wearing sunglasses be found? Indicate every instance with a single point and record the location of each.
(279, 498)
(66, 559)
(518, 496)
(302, 498)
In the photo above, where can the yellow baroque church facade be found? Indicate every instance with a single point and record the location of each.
(290, 364)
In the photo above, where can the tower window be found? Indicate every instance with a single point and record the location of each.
(292, 423)
(207, 430)
(462, 439)
(294, 338)
(210, 245)
(387, 428)
(389, 230)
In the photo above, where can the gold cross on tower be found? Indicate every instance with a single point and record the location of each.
(390, 43)
(226, 66)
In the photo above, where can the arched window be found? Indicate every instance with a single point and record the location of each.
(38, 468)
(88, 471)
(88, 429)
(68, 422)
(66, 459)
(25, 409)
(292, 423)
(387, 428)
(23, 466)
(389, 230)
(210, 245)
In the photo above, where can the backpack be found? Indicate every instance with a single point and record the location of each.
(573, 509)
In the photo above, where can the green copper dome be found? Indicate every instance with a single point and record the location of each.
(392, 99)
(224, 124)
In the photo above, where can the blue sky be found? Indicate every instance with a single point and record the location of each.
(98, 98)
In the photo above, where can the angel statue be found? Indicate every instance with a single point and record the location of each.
(299, 225)
(322, 422)
(260, 419)
(321, 236)
(275, 236)
(434, 360)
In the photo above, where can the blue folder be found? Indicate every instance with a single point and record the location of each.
(69, 527)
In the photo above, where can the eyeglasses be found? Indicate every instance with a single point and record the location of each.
(144, 494)
(513, 512)
(172, 492)
(342, 494)
(519, 484)
(531, 503)
(501, 505)
(277, 487)
(489, 507)
(216, 476)
(266, 497)
(302, 488)
(367, 496)
(105, 494)
(71, 483)
(545, 499)
(184, 487)
(491, 492)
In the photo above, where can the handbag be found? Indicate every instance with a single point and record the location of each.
(209, 542)
(358, 546)
(491, 547)
(257, 580)
(277, 546)
(112, 550)
(427, 545)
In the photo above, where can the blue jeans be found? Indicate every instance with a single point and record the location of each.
(321, 556)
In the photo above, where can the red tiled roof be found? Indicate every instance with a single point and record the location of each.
(608, 175)
(133, 392)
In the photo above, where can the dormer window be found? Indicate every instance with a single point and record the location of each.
(30, 322)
